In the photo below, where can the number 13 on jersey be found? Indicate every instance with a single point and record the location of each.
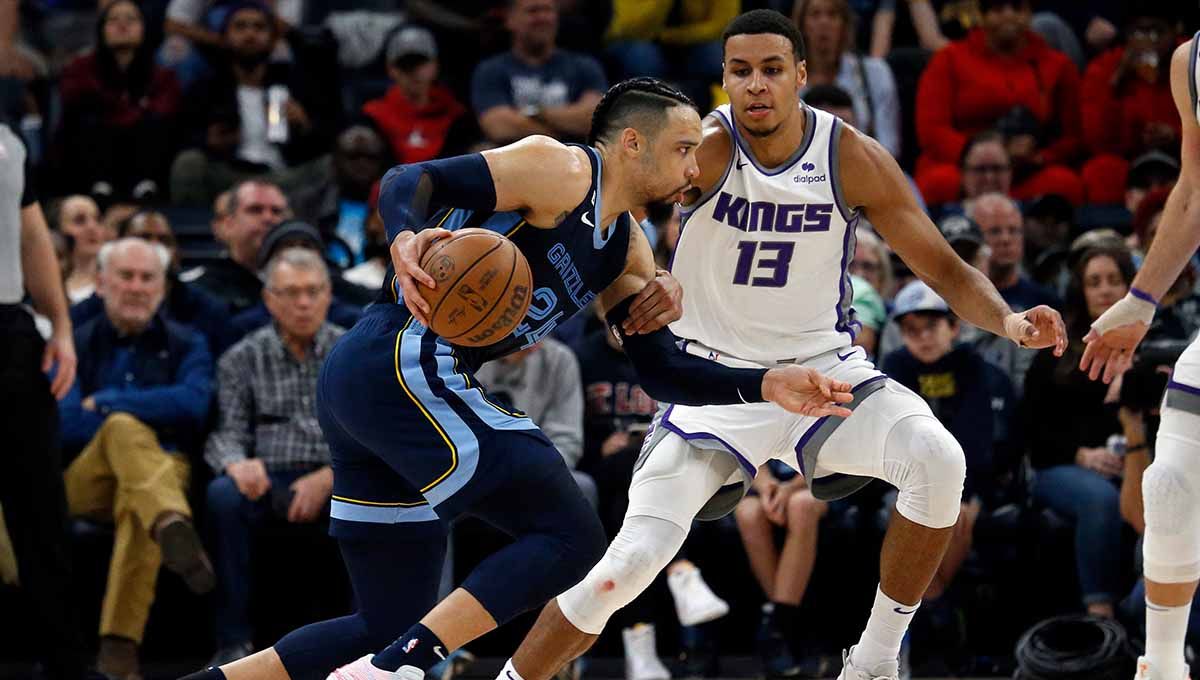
(768, 260)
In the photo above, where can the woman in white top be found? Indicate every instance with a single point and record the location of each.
(828, 28)
(78, 216)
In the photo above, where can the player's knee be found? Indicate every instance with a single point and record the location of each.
(639, 552)
(1168, 497)
(931, 469)
(1172, 542)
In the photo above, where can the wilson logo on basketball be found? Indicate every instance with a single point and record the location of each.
(507, 319)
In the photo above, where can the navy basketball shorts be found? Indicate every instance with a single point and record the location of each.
(413, 436)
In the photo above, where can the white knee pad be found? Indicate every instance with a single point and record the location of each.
(641, 549)
(1172, 506)
(926, 463)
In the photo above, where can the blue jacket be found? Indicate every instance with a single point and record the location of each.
(163, 377)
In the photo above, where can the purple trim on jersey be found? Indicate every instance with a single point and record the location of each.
(1142, 295)
(1172, 385)
(1192, 94)
(835, 171)
(812, 429)
(844, 323)
(810, 124)
(692, 436)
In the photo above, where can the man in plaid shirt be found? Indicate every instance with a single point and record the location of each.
(268, 451)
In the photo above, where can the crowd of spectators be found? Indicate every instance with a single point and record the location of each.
(209, 173)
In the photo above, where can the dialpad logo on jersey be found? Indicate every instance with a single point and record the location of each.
(783, 218)
(808, 179)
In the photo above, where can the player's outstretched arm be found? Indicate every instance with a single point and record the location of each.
(669, 374)
(1116, 334)
(515, 177)
(874, 183)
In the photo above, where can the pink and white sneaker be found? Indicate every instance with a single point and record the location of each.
(362, 669)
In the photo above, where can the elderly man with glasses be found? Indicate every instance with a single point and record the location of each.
(267, 450)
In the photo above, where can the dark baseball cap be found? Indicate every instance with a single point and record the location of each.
(294, 232)
(959, 228)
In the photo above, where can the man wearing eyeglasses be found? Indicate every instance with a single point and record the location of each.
(267, 450)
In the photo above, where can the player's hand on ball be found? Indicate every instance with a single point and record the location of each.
(657, 305)
(1037, 328)
(806, 391)
(406, 250)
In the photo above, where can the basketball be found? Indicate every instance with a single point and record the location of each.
(483, 287)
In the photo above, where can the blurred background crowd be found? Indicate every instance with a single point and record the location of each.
(209, 172)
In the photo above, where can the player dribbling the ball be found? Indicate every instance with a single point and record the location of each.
(416, 441)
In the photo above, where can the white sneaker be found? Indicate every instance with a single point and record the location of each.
(695, 602)
(1146, 672)
(852, 672)
(362, 669)
(641, 654)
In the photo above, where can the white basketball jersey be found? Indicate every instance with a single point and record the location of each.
(763, 256)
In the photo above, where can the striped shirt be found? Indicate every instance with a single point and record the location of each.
(268, 403)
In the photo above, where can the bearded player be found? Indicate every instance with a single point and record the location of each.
(767, 235)
(416, 442)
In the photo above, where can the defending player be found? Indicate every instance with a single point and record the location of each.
(767, 235)
(1171, 485)
(416, 441)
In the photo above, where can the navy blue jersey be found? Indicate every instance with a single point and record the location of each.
(570, 264)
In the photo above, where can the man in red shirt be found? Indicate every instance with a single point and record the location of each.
(1126, 105)
(1000, 75)
(417, 113)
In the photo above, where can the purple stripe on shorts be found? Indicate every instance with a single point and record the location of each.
(812, 429)
(1172, 385)
(692, 436)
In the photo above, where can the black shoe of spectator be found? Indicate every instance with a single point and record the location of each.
(697, 654)
(183, 553)
(230, 653)
(118, 658)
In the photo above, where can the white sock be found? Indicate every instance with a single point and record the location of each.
(880, 641)
(1165, 630)
(509, 672)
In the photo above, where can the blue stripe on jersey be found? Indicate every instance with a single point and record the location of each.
(459, 438)
(492, 415)
(380, 514)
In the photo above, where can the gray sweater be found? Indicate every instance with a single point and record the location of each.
(546, 385)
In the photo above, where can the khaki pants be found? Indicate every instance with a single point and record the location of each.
(124, 475)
